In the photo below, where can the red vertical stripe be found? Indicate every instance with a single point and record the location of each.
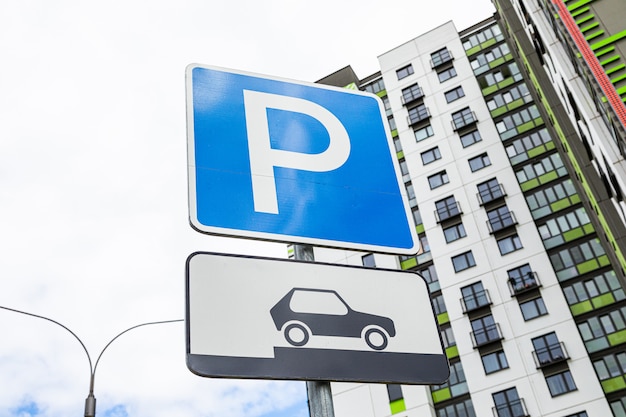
(592, 62)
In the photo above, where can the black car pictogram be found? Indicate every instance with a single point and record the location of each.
(303, 312)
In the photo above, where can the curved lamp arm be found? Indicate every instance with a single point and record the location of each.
(90, 401)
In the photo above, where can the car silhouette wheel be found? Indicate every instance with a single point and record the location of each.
(376, 338)
(296, 334)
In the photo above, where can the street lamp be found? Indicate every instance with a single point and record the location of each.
(90, 401)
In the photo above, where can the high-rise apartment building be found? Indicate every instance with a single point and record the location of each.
(510, 138)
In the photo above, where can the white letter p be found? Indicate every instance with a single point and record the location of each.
(263, 158)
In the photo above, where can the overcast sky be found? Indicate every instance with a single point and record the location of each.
(93, 190)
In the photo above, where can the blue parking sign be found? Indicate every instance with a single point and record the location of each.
(293, 162)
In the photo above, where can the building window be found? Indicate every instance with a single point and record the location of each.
(510, 99)
(423, 133)
(598, 286)
(462, 409)
(470, 138)
(619, 407)
(396, 142)
(375, 87)
(462, 118)
(480, 63)
(583, 414)
(494, 362)
(549, 164)
(392, 123)
(454, 232)
(411, 93)
(474, 296)
(447, 336)
(445, 75)
(518, 149)
(438, 179)
(565, 261)
(595, 331)
(455, 385)
(611, 366)
(533, 308)
(410, 193)
(418, 114)
(424, 245)
(368, 260)
(508, 404)
(493, 78)
(447, 208)
(440, 57)
(489, 191)
(509, 244)
(553, 231)
(404, 170)
(404, 71)
(429, 273)
(439, 304)
(548, 349)
(522, 278)
(541, 202)
(484, 330)
(500, 218)
(510, 125)
(479, 162)
(561, 383)
(463, 261)
(417, 217)
(454, 94)
(430, 155)
(492, 32)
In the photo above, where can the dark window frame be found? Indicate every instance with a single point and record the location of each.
(479, 162)
(468, 261)
(405, 71)
(538, 308)
(454, 94)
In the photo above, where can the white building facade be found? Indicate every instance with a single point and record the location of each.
(526, 292)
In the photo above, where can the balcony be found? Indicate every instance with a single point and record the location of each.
(486, 335)
(448, 212)
(463, 119)
(500, 220)
(490, 193)
(441, 58)
(475, 301)
(525, 283)
(418, 114)
(550, 355)
(516, 408)
(411, 94)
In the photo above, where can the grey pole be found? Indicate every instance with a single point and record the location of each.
(320, 399)
(90, 401)
(318, 392)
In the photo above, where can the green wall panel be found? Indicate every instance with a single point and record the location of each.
(613, 384)
(581, 308)
(617, 338)
(441, 395)
(602, 300)
(409, 263)
(452, 352)
(397, 406)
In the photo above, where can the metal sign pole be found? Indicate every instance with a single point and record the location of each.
(318, 392)
(320, 399)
